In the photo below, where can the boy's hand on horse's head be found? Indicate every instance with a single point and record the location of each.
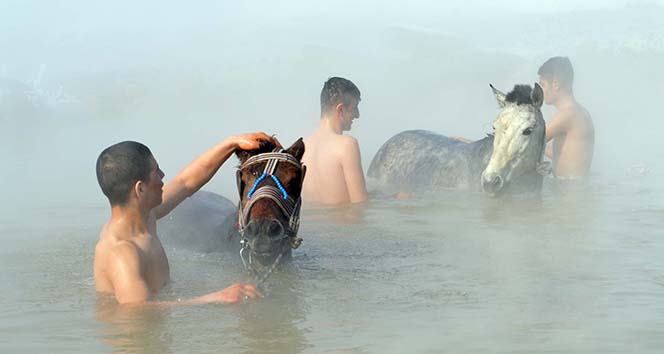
(252, 141)
(276, 141)
(460, 139)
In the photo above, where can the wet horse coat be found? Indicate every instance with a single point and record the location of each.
(510, 160)
(208, 222)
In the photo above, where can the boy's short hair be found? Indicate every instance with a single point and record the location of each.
(120, 166)
(337, 90)
(558, 68)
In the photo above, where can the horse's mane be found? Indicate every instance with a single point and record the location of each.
(265, 146)
(520, 94)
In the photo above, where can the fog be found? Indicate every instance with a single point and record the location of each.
(462, 271)
(79, 77)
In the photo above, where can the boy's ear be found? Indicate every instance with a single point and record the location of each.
(555, 84)
(138, 188)
(339, 108)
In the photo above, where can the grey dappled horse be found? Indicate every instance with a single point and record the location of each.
(508, 161)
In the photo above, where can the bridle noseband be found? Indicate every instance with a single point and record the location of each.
(277, 193)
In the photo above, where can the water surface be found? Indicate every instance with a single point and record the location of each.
(449, 272)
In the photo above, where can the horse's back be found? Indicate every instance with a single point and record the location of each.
(417, 159)
(204, 222)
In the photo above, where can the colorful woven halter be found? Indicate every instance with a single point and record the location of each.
(289, 206)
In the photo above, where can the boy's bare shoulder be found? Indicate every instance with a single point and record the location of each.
(576, 111)
(114, 249)
(124, 257)
(347, 141)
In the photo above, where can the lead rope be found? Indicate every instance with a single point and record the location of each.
(261, 280)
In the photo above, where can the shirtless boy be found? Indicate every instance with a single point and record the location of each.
(129, 260)
(571, 128)
(334, 167)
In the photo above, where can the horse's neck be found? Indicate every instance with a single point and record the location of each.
(527, 183)
(484, 145)
(480, 154)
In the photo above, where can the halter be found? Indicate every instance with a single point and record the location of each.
(288, 205)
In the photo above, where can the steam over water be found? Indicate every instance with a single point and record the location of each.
(575, 272)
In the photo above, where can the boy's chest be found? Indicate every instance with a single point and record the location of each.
(157, 272)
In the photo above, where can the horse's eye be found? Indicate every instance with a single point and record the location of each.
(527, 131)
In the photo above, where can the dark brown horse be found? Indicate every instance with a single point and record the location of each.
(263, 227)
(269, 181)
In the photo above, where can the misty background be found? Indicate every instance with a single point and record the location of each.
(564, 273)
(76, 77)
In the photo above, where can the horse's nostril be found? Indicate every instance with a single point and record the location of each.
(497, 182)
(275, 229)
(492, 184)
(252, 229)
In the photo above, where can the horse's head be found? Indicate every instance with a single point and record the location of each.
(269, 182)
(519, 138)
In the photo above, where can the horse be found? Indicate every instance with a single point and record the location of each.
(509, 161)
(262, 228)
(269, 182)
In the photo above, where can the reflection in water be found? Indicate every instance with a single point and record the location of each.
(274, 325)
(566, 208)
(347, 214)
(565, 272)
(133, 329)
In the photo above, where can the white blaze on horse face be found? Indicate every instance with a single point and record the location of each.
(517, 145)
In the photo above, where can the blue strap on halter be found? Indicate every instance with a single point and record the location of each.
(281, 188)
(259, 180)
(276, 181)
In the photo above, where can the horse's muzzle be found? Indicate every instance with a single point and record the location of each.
(272, 228)
(492, 184)
(266, 238)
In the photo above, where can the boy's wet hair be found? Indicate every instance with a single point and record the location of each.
(558, 68)
(337, 90)
(120, 166)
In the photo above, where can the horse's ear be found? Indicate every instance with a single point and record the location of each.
(537, 95)
(500, 97)
(297, 149)
(242, 155)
